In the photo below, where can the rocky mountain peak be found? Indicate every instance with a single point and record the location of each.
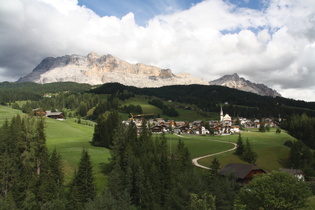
(234, 81)
(99, 69)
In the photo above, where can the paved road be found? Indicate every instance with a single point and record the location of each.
(195, 160)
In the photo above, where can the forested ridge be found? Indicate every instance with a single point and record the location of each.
(208, 98)
(10, 92)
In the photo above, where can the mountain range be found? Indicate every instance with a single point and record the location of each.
(97, 69)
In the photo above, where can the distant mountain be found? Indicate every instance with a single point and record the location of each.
(99, 69)
(236, 82)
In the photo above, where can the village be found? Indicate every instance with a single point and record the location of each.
(224, 126)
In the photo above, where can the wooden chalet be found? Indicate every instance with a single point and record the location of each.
(39, 112)
(243, 172)
(295, 172)
(157, 129)
(55, 115)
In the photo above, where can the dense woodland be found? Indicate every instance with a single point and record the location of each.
(141, 174)
(209, 98)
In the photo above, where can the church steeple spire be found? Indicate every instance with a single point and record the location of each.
(221, 114)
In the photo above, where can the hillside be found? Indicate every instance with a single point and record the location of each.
(69, 137)
(209, 98)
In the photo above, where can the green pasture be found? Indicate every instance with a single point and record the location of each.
(197, 145)
(69, 138)
(143, 102)
(6, 113)
(272, 154)
(184, 115)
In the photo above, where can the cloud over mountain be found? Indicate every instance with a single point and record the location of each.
(274, 45)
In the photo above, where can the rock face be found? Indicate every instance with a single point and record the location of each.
(99, 69)
(234, 81)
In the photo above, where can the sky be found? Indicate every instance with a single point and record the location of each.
(265, 41)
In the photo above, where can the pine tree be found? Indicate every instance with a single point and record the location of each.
(105, 128)
(240, 146)
(262, 127)
(56, 170)
(249, 155)
(215, 166)
(84, 179)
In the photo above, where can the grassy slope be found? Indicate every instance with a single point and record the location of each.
(6, 113)
(70, 138)
(268, 146)
(185, 115)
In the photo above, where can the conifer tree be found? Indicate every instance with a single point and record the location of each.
(84, 179)
(56, 170)
(240, 146)
(249, 155)
(105, 128)
(215, 166)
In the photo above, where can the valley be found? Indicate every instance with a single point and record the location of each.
(82, 109)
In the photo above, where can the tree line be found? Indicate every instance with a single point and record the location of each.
(208, 98)
(166, 109)
(31, 177)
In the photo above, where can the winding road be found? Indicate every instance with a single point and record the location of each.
(195, 160)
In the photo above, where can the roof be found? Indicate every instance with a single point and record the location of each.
(227, 117)
(240, 170)
(54, 114)
(293, 171)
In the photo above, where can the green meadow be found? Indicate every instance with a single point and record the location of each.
(69, 138)
(184, 115)
(6, 113)
(272, 154)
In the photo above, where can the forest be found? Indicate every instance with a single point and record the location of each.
(141, 174)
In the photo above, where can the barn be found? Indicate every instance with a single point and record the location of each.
(243, 172)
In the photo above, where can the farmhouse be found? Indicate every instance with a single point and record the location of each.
(243, 172)
(295, 172)
(39, 112)
(54, 115)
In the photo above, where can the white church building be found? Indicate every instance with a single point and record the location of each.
(226, 124)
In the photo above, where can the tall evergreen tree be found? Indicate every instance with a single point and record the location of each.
(249, 155)
(105, 128)
(240, 146)
(84, 179)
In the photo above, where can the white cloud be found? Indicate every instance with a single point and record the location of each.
(275, 46)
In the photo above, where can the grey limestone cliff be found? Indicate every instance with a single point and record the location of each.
(99, 69)
(234, 81)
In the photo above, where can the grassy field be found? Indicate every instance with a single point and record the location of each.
(70, 138)
(272, 154)
(6, 113)
(184, 115)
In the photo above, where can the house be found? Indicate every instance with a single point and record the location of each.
(157, 129)
(243, 172)
(54, 115)
(39, 112)
(180, 123)
(295, 172)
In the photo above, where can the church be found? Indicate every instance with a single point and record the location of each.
(226, 124)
